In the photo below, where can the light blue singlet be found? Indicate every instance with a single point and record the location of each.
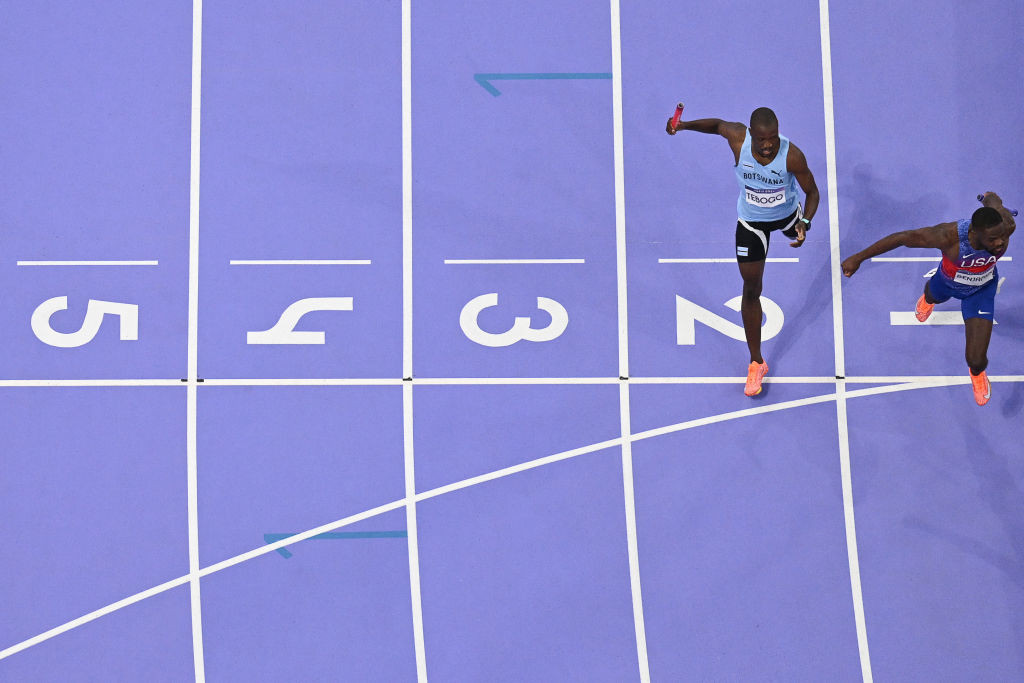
(767, 193)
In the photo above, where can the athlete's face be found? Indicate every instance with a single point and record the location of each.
(994, 238)
(764, 141)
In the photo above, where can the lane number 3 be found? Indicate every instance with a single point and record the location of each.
(520, 329)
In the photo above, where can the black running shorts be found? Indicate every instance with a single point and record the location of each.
(753, 237)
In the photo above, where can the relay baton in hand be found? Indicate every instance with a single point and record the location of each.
(675, 117)
(1013, 212)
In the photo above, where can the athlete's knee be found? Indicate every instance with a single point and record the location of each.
(977, 361)
(751, 291)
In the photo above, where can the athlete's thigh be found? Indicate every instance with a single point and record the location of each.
(752, 272)
(936, 290)
(981, 304)
(979, 332)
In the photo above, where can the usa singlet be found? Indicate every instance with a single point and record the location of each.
(767, 193)
(973, 268)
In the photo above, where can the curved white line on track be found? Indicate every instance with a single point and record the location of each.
(466, 483)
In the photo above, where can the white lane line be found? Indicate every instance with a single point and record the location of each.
(632, 545)
(843, 435)
(465, 483)
(406, 189)
(88, 263)
(921, 259)
(723, 260)
(300, 262)
(193, 344)
(407, 389)
(511, 261)
(413, 536)
(640, 631)
(620, 192)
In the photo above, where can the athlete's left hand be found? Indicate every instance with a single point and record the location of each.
(801, 234)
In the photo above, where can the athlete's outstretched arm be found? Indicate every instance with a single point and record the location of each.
(727, 129)
(940, 236)
(730, 130)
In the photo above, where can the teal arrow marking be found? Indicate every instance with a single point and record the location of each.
(485, 79)
(273, 538)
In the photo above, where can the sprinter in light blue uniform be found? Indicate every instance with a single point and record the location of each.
(767, 192)
(768, 169)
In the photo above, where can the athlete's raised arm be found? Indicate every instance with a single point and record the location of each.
(941, 236)
(730, 130)
(996, 202)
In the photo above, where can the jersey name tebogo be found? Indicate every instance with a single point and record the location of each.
(767, 193)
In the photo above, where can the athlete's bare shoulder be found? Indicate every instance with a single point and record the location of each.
(943, 237)
(945, 234)
(796, 162)
(734, 133)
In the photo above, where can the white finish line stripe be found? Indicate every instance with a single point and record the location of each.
(510, 261)
(723, 260)
(299, 262)
(88, 263)
(491, 381)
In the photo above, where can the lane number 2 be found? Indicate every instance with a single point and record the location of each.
(688, 314)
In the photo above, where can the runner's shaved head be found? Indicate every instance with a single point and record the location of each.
(986, 217)
(763, 117)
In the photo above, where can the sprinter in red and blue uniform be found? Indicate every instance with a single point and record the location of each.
(970, 250)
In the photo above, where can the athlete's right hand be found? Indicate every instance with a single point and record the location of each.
(990, 198)
(850, 266)
(669, 128)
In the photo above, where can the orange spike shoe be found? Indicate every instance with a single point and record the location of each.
(982, 388)
(923, 309)
(755, 373)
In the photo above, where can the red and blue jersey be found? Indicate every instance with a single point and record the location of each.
(973, 268)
